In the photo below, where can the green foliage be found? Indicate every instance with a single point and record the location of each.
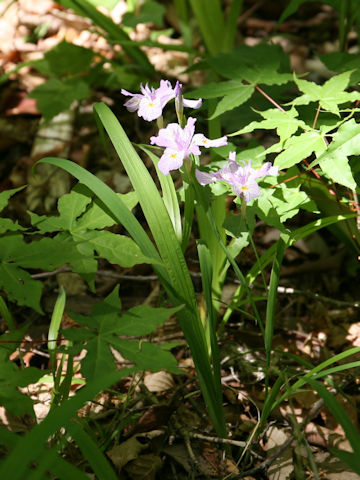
(149, 12)
(103, 327)
(330, 95)
(12, 377)
(55, 96)
(80, 224)
(334, 162)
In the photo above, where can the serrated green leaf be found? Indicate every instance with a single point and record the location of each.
(65, 59)
(7, 225)
(72, 205)
(150, 12)
(329, 95)
(299, 147)
(105, 323)
(96, 216)
(146, 356)
(285, 123)
(342, 62)
(20, 287)
(218, 89)
(294, 5)
(46, 254)
(98, 359)
(55, 96)
(142, 320)
(44, 223)
(6, 194)
(233, 100)
(256, 65)
(334, 161)
(117, 249)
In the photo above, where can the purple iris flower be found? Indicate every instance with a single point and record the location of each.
(150, 102)
(242, 179)
(179, 143)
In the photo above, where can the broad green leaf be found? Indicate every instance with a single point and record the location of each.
(6, 194)
(285, 123)
(256, 65)
(96, 217)
(78, 212)
(55, 96)
(117, 249)
(65, 59)
(19, 286)
(233, 100)
(299, 148)
(7, 225)
(217, 89)
(150, 12)
(142, 320)
(329, 95)
(47, 253)
(72, 205)
(334, 160)
(106, 322)
(277, 206)
(342, 62)
(294, 5)
(235, 93)
(146, 356)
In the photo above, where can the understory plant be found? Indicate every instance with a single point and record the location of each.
(312, 165)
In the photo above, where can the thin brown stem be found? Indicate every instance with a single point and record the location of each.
(269, 98)
(316, 116)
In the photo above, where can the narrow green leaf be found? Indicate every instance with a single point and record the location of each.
(210, 18)
(33, 444)
(55, 326)
(271, 298)
(98, 461)
(340, 414)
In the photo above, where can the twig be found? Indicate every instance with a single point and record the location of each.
(107, 273)
(308, 293)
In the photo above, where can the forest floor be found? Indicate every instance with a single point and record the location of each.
(318, 309)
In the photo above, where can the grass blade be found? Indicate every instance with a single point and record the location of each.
(99, 463)
(54, 328)
(33, 445)
(271, 303)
